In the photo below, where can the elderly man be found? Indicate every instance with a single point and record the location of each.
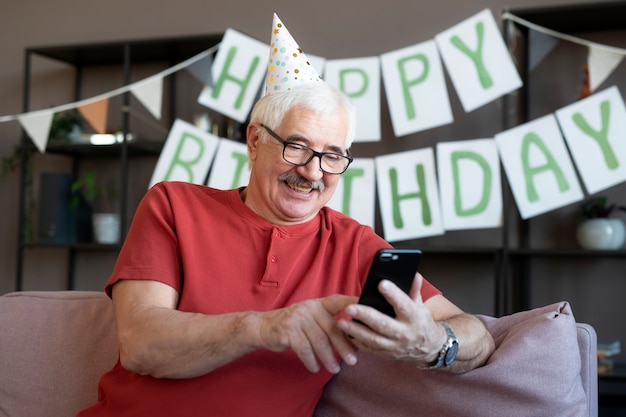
(241, 302)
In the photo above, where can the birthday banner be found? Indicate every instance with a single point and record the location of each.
(422, 192)
(418, 198)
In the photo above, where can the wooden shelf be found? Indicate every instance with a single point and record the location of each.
(136, 148)
(112, 53)
(75, 246)
(600, 16)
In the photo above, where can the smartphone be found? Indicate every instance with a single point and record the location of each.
(396, 265)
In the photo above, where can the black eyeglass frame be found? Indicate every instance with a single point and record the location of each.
(314, 153)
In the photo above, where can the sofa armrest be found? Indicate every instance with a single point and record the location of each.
(55, 346)
(588, 346)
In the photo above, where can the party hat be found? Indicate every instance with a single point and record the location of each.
(288, 66)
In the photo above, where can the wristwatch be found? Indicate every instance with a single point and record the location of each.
(448, 352)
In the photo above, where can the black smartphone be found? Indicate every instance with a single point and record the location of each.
(396, 265)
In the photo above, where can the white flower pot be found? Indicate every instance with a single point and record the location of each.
(106, 227)
(601, 233)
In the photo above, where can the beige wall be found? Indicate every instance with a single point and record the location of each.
(333, 29)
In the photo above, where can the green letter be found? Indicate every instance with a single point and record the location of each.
(186, 165)
(347, 187)
(421, 183)
(224, 76)
(241, 159)
(410, 110)
(482, 204)
(600, 136)
(476, 57)
(342, 83)
(551, 165)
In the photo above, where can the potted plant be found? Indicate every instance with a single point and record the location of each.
(100, 198)
(599, 230)
(66, 127)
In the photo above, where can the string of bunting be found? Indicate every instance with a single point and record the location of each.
(136, 88)
(602, 59)
(120, 90)
(145, 84)
(562, 36)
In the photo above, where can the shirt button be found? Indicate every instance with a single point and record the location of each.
(277, 234)
(273, 259)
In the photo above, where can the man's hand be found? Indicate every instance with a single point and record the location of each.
(309, 328)
(413, 335)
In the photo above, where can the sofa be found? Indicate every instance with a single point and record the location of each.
(55, 345)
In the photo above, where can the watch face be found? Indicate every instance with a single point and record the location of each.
(451, 354)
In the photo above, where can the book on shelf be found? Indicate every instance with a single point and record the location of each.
(608, 349)
(606, 352)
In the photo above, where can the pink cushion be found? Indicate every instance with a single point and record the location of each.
(535, 371)
(54, 346)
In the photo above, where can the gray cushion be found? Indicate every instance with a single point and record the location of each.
(535, 371)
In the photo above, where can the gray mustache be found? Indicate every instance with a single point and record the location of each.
(292, 178)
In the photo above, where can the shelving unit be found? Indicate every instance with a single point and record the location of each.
(589, 277)
(594, 17)
(124, 58)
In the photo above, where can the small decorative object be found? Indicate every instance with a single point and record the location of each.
(598, 230)
(106, 228)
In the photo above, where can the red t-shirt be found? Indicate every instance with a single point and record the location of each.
(222, 257)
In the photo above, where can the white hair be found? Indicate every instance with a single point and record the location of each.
(318, 97)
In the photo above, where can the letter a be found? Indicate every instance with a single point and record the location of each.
(550, 165)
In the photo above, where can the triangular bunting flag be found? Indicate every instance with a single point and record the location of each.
(96, 114)
(601, 63)
(541, 45)
(37, 125)
(150, 94)
(201, 70)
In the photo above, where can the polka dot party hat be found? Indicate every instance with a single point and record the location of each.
(288, 66)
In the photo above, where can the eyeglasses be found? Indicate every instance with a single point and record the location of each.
(300, 155)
